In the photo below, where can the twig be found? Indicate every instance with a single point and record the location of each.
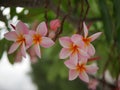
(62, 22)
(80, 18)
(46, 16)
(46, 10)
(58, 9)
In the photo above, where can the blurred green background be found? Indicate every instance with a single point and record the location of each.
(50, 72)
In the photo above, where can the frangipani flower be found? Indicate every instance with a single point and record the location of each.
(93, 84)
(54, 24)
(72, 47)
(20, 37)
(80, 69)
(39, 39)
(87, 40)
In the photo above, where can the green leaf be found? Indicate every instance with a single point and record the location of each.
(117, 22)
(11, 58)
(105, 14)
(2, 42)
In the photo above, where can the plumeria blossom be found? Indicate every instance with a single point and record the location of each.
(33, 56)
(55, 24)
(80, 69)
(72, 47)
(93, 84)
(87, 40)
(39, 39)
(20, 37)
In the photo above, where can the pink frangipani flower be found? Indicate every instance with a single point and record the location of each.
(55, 24)
(80, 69)
(93, 84)
(87, 40)
(39, 38)
(72, 47)
(20, 37)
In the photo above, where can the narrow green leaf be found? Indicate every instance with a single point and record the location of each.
(117, 21)
(11, 58)
(105, 14)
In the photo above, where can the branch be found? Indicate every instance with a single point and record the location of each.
(105, 83)
(40, 3)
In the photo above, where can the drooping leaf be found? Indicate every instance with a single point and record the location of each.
(107, 21)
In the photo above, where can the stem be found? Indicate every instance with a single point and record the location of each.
(58, 9)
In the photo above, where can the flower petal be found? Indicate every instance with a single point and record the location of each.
(13, 47)
(83, 76)
(83, 53)
(28, 40)
(83, 60)
(95, 36)
(18, 57)
(73, 74)
(12, 36)
(31, 32)
(91, 69)
(85, 30)
(77, 39)
(37, 50)
(64, 53)
(46, 42)
(23, 50)
(65, 42)
(74, 56)
(71, 64)
(91, 50)
(54, 24)
(21, 28)
(42, 29)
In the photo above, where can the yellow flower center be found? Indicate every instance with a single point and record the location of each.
(80, 67)
(36, 38)
(74, 49)
(86, 40)
(21, 39)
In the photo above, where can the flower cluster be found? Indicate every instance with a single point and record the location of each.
(79, 49)
(24, 38)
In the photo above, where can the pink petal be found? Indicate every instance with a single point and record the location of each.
(83, 76)
(64, 53)
(21, 28)
(91, 50)
(23, 50)
(83, 53)
(71, 64)
(13, 47)
(37, 50)
(46, 42)
(65, 42)
(73, 74)
(85, 30)
(95, 36)
(31, 32)
(28, 39)
(12, 36)
(83, 59)
(74, 56)
(42, 29)
(91, 69)
(54, 24)
(77, 39)
(18, 57)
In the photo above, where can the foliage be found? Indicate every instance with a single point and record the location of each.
(50, 72)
